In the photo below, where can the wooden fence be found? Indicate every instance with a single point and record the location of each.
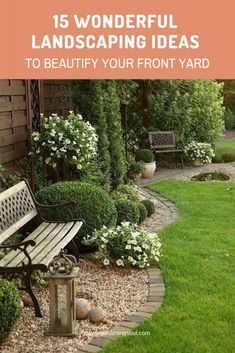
(18, 114)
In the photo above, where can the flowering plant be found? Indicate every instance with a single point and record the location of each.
(200, 150)
(126, 245)
(70, 140)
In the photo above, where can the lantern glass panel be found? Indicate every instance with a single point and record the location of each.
(61, 303)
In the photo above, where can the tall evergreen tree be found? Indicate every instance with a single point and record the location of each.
(115, 133)
(89, 102)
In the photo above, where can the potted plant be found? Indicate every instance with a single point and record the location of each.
(136, 169)
(146, 156)
(199, 153)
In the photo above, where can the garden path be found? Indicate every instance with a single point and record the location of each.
(189, 171)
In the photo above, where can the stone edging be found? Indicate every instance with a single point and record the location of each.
(154, 301)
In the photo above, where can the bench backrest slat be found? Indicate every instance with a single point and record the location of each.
(16, 209)
(162, 139)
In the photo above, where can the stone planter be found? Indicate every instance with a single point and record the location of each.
(149, 170)
(197, 162)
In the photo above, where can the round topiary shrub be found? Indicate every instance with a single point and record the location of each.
(143, 212)
(9, 307)
(127, 211)
(92, 204)
(144, 155)
(150, 206)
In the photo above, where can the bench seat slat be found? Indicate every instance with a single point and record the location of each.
(50, 238)
(13, 254)
(49, 232)
(47, 244)
(54, 248)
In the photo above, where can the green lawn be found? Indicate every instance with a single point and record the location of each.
(198, 266)
(225, 151)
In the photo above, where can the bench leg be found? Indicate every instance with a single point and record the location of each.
(29, 289)
(182, 159)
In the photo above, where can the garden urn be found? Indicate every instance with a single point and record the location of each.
(149, 169)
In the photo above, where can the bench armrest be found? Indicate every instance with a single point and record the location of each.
(22, 247)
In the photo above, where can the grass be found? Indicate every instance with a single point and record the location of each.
(198, 266)
(225, 151)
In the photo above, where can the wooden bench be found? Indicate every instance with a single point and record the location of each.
(165, 142)
(17, 207)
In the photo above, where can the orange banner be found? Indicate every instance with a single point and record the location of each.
(117, 39)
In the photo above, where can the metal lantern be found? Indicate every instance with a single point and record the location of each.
(62, 272)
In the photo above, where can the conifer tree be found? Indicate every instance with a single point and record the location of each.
(115, 133)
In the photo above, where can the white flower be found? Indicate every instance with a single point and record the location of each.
(137, 248)
(130, 258)
(120, 262)
(145, 246)
(106, 262)
(104, 240)
(53, 132)
(54, 165)
(128, 247)
(48, 160)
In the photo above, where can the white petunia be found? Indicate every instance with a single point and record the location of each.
(106, 262)
(120, 262)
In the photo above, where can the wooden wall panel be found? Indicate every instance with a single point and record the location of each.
(14, 122)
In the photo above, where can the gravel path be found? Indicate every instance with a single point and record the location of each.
(120, 292)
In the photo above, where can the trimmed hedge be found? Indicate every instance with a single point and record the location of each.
(127, 211)
(92, 204)
(143, 212)
(150, 206)
(9, 307)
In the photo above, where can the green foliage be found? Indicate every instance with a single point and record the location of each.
(150, 206)
(91, 204)
(125, 191)
(144, 155)
(229, 94)
(136, 167)
(89, 101)
(225, 151)
(193, 108)
(10, 180)
(99, 102)
(127, 211)
(114, 131)
(143, 212)
(9, 307)
(229, 119)
(126, 245)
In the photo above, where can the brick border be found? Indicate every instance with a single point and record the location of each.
(155, 298)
